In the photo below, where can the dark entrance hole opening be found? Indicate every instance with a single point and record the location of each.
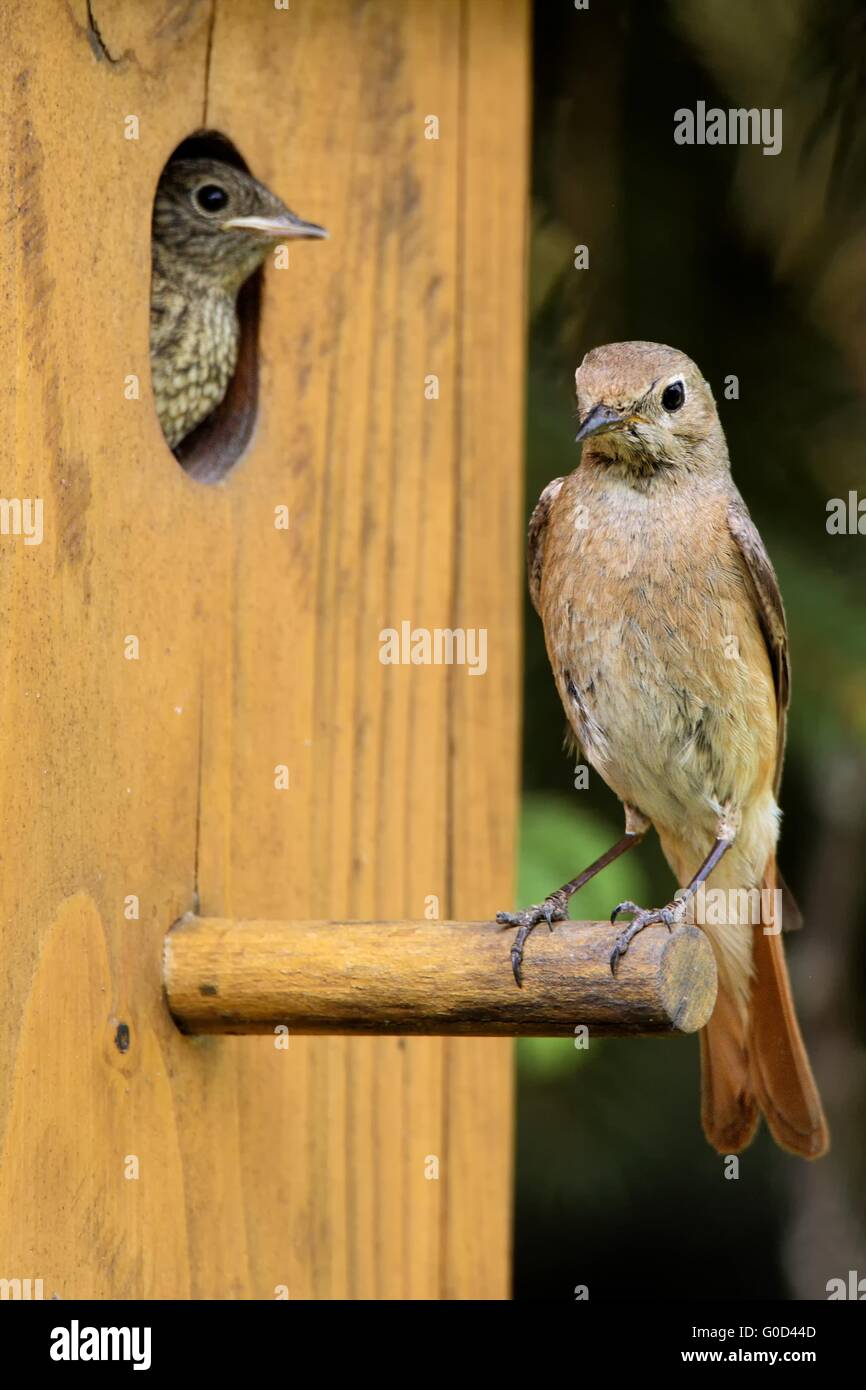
(212, 449)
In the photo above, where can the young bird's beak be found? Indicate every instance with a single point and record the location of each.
(601, 419)
(278, 228)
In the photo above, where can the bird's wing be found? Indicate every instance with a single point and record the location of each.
(769, 610)
(536, 539)
(771, 616)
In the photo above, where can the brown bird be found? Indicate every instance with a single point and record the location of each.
(666, 633)
(213, 225)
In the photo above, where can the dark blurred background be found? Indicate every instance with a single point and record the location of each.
(755, 266)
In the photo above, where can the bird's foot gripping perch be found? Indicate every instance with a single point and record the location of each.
(675, 911)
(668, 916)
(553, 909)
(555, 905)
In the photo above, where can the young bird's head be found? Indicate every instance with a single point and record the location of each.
(644, 409)
(219, 222)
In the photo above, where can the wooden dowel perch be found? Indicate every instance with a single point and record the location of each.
(226, 976)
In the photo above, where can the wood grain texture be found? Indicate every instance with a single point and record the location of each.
(155, 777)
(433, 977)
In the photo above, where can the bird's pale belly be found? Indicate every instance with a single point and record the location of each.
(655, 680)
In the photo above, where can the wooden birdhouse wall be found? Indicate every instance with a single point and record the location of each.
(138, 776)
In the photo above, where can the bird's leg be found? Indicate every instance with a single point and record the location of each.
(555, 905)
(674, 911)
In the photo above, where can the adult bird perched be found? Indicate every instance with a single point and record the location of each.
(213, 225)
(666, 633)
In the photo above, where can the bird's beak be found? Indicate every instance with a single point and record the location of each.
(601, 419)
(279, 228)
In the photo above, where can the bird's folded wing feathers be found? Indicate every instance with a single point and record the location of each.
(769, 611)
(771, 616)
(537, 537)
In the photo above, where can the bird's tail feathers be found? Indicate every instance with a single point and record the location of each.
(759, 1061)
(779, 1069)
(729, 1110)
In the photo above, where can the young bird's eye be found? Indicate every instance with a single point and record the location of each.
(211, 198)
(673, 396)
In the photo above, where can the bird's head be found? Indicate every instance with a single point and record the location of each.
(645, 408)
(219, 221)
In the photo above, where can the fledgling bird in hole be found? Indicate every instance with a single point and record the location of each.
(665, 629)
(213, 225)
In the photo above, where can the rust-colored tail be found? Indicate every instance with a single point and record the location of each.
(729, 1110)
(761, 1062)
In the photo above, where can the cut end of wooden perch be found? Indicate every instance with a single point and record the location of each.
(687, 979)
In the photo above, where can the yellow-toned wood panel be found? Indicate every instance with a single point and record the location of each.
(257, 1167)
(485, 711)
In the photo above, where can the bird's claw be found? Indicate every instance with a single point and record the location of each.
(530, 917)
(667, 916)
(553, 909)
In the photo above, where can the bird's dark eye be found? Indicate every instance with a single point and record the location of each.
(673, 396)
(211, 198)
